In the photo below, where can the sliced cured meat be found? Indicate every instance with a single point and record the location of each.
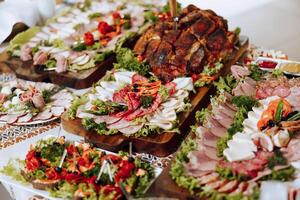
(138, 78)
(201, 161)
(211, 152)
(25, 53)
(130, 130)
(38, 100)
(106, 118)
(57, 111)
(209, 178)
(44, 115)
(225, 122)
(25, 118)
(40, 58)
(218, 131)
(248, 89)
(12, 118)
(217, 184)
(229, 187)
(207, 137)
(119, 124)
(62, 102)
(239, 72)
(230, 106)
(238, 90)
(241, 188)
(281, 91)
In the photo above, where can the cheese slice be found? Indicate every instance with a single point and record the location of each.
(236, 154)
(245, 145)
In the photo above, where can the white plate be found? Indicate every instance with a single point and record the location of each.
(20, 150)
(30, 123)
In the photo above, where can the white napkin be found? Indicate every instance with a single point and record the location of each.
(30, 12)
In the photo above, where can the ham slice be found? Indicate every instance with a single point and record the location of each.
(57, 111)
(107, 119)
(241, 188)
(212, 177)
(12, 118)
(119, 124)
(44, 115)
(238, 90)
(200, 160)
(217, 184)
(130, 130)
(211, 152)
(239, 71)
(25, 118)
(281, 91)
(40, 58)
(224, 121)
(207, 137)
(229, 187)
(25, 54)
(38, 100)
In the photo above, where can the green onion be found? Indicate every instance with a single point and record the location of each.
(278, 113)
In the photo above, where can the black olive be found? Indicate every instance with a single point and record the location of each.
(58, 169)
(13, 89)
(37, 154)
(103, 153)
(271, 123)
(130, 159)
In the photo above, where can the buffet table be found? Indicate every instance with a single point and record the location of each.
(140, 101)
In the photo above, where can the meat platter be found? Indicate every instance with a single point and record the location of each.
(26, 103)
(57, 168)
(76, 47)
(244, 144)
(153, 131)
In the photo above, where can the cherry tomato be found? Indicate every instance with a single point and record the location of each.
(104, 28)
(195, 77)
(89, 39)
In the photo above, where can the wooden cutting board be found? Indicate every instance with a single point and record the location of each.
(78, 80)
(160, 144)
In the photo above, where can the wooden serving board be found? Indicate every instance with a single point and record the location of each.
(160, 144)
(78, 80)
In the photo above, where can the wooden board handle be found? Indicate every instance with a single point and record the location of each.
(173, 7)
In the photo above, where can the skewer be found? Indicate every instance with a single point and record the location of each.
(109, 172)
(59, 168)
(130, 149)
(100, 172)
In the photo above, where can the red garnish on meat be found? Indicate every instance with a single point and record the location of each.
(89, 39)
(124, 171)
(267, 64)
(104, 28)
(32, 162)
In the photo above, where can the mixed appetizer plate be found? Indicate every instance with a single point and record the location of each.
(128, 103)
(57, 168)
(245, 145)
(82, 35)
(25, 102)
